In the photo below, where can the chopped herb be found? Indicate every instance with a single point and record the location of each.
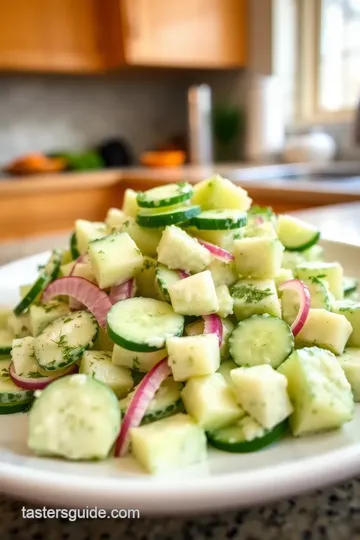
(34, 375)
(50, 306)
(101, 252)
(138, 251)
(264, 211)
(68, 319)
(40, 267)
(126, 224)
(249, 293)
(135, 364)
(236, 236)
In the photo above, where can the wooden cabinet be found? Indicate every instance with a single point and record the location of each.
(185, 33)
(97, 35)
(51, 35)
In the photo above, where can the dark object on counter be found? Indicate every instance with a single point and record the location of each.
(115, 153)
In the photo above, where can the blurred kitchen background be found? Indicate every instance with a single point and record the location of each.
(100, 95)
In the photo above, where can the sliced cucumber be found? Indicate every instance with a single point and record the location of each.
(75, 417)
(170, 217)
(165, 195)
(234, 439)
(73, 246)
(48, 274)
(143, 324)
(64, 341)
(220, 220)
(350, 285)
(167, 401)
(295, 234)
(165, 277)
(6, 339)
(261, 339)
(12, 398)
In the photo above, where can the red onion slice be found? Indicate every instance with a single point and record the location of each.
(74, 304)
(213, 325)
(183, 274)
(38, 383)
(93, 298)
(139, 403)
(123, 291)
(216, 251)
(259, 220)
(304, 296)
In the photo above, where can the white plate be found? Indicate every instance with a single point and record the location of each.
(225, 481)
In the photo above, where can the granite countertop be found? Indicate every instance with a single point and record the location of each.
(329, 514)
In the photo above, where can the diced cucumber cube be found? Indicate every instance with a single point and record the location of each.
(285, 274)
(320, 298)
(103, 342)
(350, 310)
(4, 316)
(258, 257)
(330, 272)
(350, 363)
(223, 239)
(19, 325)
(222, 273)
(115, 259)
(262, 392)
(66, 269)
(147, 239)
(291, 259)
(225, 370)
(178, 250)
(145, 280)
(23, 356)
(255, 297)
(266, 229)
(87, 231)
(115, 218)
(195, 295)
(137, 361)
(210, 401)
(84, 269)
(98, 365)
(167, 444)
(130, 206)
(226, 301)
(196, 328)
(193, 356)
(320, 393)
(217, 193)
(324, 329)
(42, 315)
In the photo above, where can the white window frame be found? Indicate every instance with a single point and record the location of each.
(309, 31)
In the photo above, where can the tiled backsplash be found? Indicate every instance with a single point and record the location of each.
(48, 112)
(43, 113)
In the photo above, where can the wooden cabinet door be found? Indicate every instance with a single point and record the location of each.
(185, 33)
(51, 35)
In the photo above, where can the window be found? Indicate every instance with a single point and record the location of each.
(329, 47)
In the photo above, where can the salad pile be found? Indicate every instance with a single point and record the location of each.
(188, 318)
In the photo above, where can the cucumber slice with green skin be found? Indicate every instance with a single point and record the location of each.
(65, 340)
(350, 285)
(295, 234)
(261, 339)
(143, 324)
(6, 339)
(170, 217)
(220, 220)
(75, 417)
(167, 401)
(73, 247)
(12, 398)
(232, 439)
(48, 274)
(163, 278)
(165, 195)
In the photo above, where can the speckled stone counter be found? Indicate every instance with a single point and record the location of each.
(329, 514)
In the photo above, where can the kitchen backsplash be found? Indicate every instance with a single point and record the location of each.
(47, 112)
(43, 113)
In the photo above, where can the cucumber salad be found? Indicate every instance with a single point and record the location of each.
(188, 319)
